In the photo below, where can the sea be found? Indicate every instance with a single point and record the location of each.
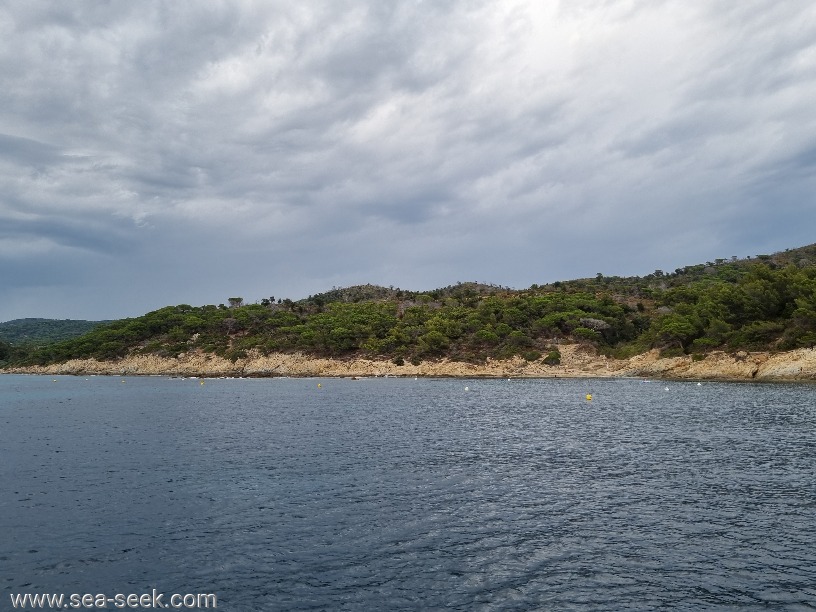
(410, 494)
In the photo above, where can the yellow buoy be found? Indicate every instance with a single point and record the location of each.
(589, 397)
(319, 385)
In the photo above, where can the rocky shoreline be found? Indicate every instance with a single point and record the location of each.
(576, 361)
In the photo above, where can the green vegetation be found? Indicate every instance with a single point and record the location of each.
(43, 331)
(766, 303)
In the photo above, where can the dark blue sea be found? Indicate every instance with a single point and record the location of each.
(403, 494)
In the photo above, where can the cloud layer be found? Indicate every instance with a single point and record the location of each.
(155, 153)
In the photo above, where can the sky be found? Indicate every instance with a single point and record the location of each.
(161, 152)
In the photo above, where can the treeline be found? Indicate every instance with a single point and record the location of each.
(765, 304)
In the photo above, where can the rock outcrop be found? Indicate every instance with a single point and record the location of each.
(576, 361)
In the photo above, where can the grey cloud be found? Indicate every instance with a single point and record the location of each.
(28, 152)
(281, 147)
(765, 52)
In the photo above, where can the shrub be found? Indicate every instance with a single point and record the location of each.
(704, 344)
(235, 355)
(586, 334)
(518, 338)
(433, 342)
(487, 336)
(553, 358)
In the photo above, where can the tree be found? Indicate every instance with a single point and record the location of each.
(676, 328)
(433, 342)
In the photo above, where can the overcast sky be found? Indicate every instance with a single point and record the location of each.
(156, 153)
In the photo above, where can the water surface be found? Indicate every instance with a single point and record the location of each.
(277, 494)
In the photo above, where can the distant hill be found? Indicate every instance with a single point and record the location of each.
(44, 331)
(373, 293)
(766, 302)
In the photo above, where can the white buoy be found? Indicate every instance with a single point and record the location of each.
(467, 388)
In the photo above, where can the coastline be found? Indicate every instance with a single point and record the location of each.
(576, 362)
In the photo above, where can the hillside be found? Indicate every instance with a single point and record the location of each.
(767, 303)
(44, 331)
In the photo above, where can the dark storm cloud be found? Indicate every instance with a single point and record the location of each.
(203, 150)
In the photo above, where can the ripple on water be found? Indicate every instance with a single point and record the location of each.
(406, 494)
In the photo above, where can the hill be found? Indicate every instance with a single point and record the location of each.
(20, 337)
(765, 303)
(44, 331)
